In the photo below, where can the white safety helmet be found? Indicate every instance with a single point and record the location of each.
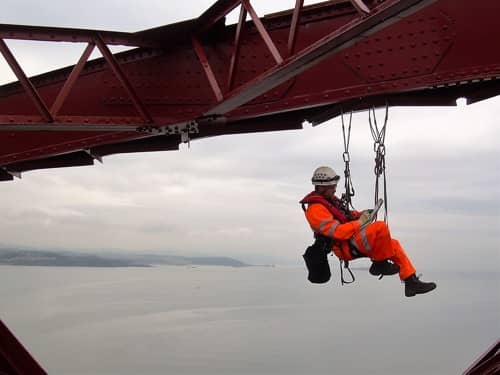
(325, 176)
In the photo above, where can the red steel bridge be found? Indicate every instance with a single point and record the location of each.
(202, 78)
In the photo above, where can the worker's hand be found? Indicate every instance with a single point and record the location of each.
(354, 215)
(364, 218)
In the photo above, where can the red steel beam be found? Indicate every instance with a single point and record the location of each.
(292, 37)
(418, 60)
(328, 46)
(236, 47)
(216, 12)
(115, 67)
(360, 6)
(14, 358)
(208, 70)
(59, 34)
(68, 85)
(25, 82)
(488, 363)
(263, 32)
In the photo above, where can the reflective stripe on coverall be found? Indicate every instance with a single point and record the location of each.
(374, 240)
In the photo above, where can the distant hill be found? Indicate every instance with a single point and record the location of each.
(19, 257)
(156, 259)
(61, 259)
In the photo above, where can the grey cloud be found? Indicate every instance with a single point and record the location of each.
(238, 195)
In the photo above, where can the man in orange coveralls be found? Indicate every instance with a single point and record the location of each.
(327, 217)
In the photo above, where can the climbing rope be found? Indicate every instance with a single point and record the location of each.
(378, 135)
(349, 189)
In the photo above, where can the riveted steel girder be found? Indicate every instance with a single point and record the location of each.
(14, 358)
(202, 78)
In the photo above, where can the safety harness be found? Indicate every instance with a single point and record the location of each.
(336, 210)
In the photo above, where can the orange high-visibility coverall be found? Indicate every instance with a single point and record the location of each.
(374, 240)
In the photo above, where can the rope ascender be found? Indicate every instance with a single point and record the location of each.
(378, 135)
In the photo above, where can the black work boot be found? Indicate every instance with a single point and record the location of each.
(414, 286)
(384, 268)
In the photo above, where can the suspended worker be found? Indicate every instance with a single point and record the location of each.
(352, 237)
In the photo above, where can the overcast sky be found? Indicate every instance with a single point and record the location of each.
(238, 195)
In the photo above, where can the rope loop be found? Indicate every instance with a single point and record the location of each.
(342, 278)
(378, 135)
(349, 189)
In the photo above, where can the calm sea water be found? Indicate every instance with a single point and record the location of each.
(218, 320)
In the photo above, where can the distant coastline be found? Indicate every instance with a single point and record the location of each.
(21, 257)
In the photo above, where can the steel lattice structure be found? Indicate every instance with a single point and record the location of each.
(202, 78)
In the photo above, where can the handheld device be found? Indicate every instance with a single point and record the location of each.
(373, 212)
